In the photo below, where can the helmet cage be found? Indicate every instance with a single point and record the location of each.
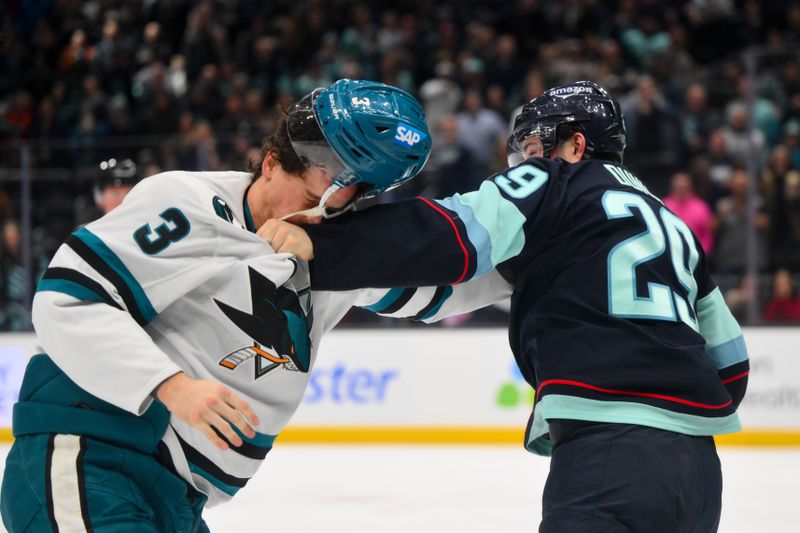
(547, 132)
(310, 144)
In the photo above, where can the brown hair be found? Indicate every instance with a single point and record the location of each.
(280, 145)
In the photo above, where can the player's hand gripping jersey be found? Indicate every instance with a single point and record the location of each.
(614, 315)
(170, 281)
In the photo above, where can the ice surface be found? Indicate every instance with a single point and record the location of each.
(422, 489)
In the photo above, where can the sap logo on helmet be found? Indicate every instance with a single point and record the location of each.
(407, 135)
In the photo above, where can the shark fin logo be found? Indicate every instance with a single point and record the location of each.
(278, 326)
(221, 209)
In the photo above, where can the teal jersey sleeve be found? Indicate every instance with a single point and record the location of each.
(725, 343)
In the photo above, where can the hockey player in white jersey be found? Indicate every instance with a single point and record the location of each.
(177, 344)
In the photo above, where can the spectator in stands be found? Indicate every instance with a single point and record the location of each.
(720, 161)
(731, 224)
(203, 40)
(205, 145)
(784, 306)
(505, 69)
(482, 131)
(691, 209)
(738, 296)
(765, 115)
(74, 59)
(649, 120)
(12, 280)
(646, 39)
(153, 46)
(791, 138)
(704, 186)
(566, 61)
(17, 119)
(440, 95)
(697, 121)
(82, 79)
(451, 162)
(781, 187)
(109, 44)
(739, 143)
(496, 99)
(231, 123)
(13, 314)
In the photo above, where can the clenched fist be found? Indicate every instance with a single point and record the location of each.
(284, 237)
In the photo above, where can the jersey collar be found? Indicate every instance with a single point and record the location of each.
(248, 218)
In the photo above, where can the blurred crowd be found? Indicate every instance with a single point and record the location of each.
(196, 85)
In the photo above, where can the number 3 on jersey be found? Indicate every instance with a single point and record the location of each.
(662, 302)
(175, 227)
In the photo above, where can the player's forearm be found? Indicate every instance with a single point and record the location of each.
(408, 244)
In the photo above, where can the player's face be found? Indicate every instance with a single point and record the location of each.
(532, 147)
(292, 193)
(566, 150)
(111, 197)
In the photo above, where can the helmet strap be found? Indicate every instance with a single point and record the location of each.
(321, 210)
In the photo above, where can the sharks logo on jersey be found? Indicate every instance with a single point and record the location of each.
(221, 209)
(278, 325)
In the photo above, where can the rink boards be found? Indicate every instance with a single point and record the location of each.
(451, 386)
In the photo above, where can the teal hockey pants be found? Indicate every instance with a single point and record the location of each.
(66, 483)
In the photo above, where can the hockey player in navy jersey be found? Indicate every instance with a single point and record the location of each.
(177, 344)
(615, 321)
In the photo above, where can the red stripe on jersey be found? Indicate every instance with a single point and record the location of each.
(736, 377)
(630, 393)
(458, 236)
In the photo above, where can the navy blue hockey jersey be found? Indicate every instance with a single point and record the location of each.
(614, 316)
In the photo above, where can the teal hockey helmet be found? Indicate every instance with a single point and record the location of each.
(361, 132)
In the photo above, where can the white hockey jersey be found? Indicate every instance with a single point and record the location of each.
(175, 279)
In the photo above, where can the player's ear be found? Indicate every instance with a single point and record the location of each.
(578, 145)
(269, 163)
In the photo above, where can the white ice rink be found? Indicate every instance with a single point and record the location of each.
(421, 489)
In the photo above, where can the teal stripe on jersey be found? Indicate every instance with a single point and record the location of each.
(500, 218)
(574, 408)
(248, 217)
(445, 295)
(476, 233)
(114, 262)
(261, 439)
(224, 487)
(388, 299)
(70, 288)
(728, 354)
(715, 320)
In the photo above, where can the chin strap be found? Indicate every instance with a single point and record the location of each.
(321, 210)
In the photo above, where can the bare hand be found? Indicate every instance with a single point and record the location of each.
(206, 406)
(287, 238)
